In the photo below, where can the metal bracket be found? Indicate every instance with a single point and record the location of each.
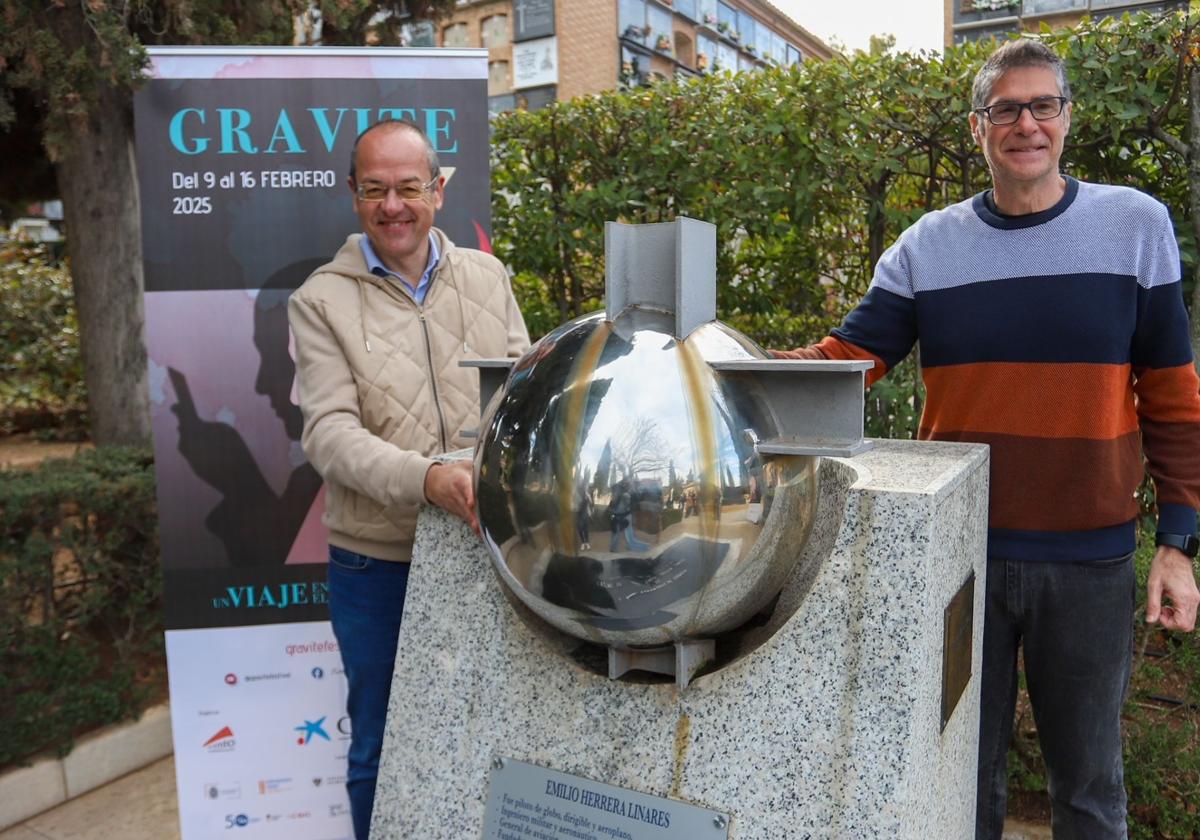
(669, 266)
(681, 659)
(817, 405)
(492, 375)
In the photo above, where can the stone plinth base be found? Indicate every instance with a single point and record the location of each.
(828, 726)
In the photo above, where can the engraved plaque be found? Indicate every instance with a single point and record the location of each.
(528, 801)
(956, 646)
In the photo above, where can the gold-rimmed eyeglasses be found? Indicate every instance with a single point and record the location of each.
(409, 190)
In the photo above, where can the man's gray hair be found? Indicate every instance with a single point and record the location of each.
(1023, 52)
(393, 124)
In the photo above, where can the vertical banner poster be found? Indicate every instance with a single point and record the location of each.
(242, 158)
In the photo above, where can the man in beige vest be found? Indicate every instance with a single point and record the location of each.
(379, 333)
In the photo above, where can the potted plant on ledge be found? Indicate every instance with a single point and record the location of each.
(630, 77)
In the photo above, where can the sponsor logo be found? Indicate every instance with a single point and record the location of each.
(239, 820)
(343, 728)
(275, 596)
(324, 646)
(222, 741)
(318, 673)
(316, 781)
(274, 817)
(337, 809)
(208, 712)
(222, 790)
(299, 815)
(266, 786)
(311, 728)
(231, 679)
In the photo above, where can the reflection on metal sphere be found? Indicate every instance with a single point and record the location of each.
(619, 487)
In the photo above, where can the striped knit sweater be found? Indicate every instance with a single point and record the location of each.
(1060, 339)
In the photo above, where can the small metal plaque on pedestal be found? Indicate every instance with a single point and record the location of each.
(528, 801)
(957, 645)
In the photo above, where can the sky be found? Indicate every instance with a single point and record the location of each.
(917, 24)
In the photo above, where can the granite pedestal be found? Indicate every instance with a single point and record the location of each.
(828, 724)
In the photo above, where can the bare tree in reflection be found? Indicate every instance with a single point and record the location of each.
(640, 449)
(640, 455)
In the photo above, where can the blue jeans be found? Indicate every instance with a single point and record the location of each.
(632, 543)
(366, 600)
(1075, 622)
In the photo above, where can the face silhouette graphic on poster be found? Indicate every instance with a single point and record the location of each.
(243, 157)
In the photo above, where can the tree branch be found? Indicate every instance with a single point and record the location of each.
(1170, 140)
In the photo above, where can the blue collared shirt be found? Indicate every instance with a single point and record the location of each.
(376, 267)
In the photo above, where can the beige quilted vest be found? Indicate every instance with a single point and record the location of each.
(380, 386)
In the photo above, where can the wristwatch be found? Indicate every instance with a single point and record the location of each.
(1187, 543)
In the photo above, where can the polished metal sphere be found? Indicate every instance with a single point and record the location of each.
(619, 489)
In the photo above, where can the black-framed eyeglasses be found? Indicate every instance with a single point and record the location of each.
(409, 190)
(1007, 113)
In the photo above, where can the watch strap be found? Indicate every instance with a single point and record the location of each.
(1187, 543)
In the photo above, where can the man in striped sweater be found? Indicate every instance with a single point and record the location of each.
(1052, 327)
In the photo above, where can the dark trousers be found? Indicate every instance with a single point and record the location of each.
(1075, 622)
(366, 600)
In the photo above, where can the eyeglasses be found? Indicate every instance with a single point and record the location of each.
(409, 190)
(1007, 113)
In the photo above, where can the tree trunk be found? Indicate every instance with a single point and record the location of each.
(876, 223)
(1194, 192)
(98, 184)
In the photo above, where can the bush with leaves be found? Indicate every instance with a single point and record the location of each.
(807, 172)
(810, 172)
(41, 374)
(80, 598)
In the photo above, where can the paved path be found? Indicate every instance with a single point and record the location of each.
(140, 806)
(27, 451)
(1020, 831)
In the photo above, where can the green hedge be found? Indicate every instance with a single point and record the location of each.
(810, 172)
(41, 372)
(80, 598)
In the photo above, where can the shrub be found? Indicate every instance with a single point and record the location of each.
(810, 172)
(80, 598)
(41, 372)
